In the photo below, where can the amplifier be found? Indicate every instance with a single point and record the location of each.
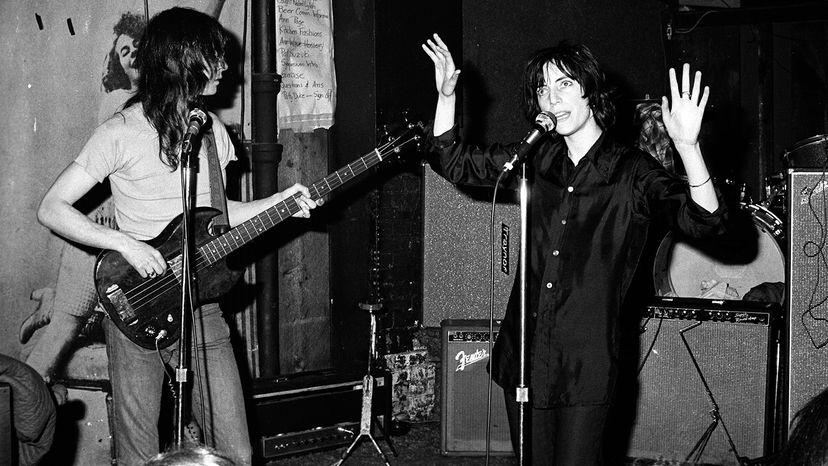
(456, 249)
(314, 411)
(806, 342)
(465, 393)
(707, 376)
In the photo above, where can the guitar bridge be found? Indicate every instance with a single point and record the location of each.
(121, 304)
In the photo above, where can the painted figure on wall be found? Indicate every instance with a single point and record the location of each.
(68, 309)
(120, 75)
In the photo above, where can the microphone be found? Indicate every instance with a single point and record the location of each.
(196, 119)
(544, 122)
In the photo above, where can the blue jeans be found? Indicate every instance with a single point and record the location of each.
(137, 379)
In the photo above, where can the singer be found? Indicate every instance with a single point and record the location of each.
(181, 59)
(592, 199)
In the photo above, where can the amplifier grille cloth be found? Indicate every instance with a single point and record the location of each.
(807, 288)
(674, 410)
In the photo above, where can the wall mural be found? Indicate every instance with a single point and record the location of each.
(49, 303)
(69, 309)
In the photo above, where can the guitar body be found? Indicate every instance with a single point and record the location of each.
(148, 310)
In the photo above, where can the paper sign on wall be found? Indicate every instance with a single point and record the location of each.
(304, 41)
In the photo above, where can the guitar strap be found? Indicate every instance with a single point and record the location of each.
(218, 200)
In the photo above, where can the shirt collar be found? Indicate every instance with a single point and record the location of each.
(603, 155)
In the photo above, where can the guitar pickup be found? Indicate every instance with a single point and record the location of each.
(121, 304)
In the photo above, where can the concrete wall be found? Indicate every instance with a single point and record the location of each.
(52, 59)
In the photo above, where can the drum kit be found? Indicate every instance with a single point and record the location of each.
(731, 268)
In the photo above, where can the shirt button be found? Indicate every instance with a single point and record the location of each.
(563, 222)
(534, 314)
(570, 189)
(555, 252)
(549, 285)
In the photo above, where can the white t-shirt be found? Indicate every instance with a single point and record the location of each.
(146, 193)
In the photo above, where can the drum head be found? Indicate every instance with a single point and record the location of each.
(808, 153)
(743, 260)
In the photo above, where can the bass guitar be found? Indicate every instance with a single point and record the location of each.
(147, 310)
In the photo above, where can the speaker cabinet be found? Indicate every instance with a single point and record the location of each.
(807, 288)
(456, 248)
(465, 392)
(695, 356)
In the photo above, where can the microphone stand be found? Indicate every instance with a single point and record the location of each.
(189, 169)
(544, 122)
(522, 392)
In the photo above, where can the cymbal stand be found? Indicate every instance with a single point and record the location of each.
(698, 448)
(366, 419)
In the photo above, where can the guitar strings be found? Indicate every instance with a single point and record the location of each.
(143, 294)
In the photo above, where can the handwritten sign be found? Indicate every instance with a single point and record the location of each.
(304, 41)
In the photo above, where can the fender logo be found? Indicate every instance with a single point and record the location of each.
(469, 359)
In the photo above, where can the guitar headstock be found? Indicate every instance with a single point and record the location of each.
(399, 136)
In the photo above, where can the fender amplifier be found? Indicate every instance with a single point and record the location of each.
(707, 375)
(465, 394)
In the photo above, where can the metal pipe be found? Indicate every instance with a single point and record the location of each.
(265, 153)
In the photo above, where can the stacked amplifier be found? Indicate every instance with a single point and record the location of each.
(314, 411)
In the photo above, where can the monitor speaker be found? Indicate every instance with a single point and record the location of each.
(707, 379)
(456, 250)
(465, 392)
(807, 288)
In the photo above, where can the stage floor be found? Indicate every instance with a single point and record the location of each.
(419, 446)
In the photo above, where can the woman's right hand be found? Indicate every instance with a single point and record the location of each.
(146, 260)
(445, 73)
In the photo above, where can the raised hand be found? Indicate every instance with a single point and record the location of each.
(445, 72)
(683, 118)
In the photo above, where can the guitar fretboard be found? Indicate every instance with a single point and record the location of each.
(247, 231)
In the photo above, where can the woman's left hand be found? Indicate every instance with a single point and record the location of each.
(304, 200)
(683, 119)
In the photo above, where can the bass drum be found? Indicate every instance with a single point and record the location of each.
(686, 267)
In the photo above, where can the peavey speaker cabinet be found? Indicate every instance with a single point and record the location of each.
(456, 248)
(707, 381)
(465, 392)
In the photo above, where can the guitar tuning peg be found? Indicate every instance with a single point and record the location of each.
(385, 132)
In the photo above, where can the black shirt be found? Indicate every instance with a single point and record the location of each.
(587, 227)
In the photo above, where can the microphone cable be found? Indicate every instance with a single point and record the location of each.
(492, 251)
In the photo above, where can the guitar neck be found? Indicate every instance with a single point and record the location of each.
(247, 231)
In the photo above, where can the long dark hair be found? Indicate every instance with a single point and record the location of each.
(806, 444)
(577, 62)
(178, 55)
